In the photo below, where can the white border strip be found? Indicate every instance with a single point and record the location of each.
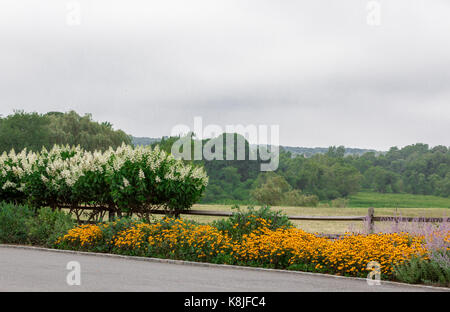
(213, 265)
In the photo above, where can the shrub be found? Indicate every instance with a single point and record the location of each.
(340, 202)
(47, 226)
(14, 169)
(84, 237)
(250, 220)
(14, 223)
(129, 180)
(420, 270)
(94, 237)
(272, 189)
(168, 238)
(19, 224)
(296, 198)
(110, 230)
(175, 239)
(132, 240)
(269, 189)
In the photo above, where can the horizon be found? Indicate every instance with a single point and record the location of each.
(294, 146)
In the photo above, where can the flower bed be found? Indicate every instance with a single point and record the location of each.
(283, 248)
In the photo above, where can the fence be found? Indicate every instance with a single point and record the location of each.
(370, 218)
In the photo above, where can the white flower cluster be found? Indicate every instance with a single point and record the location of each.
(63, 166)
(154, 160)
(8, 184)
(14, 167)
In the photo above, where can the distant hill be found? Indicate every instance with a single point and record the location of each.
(295, 150)
(309, 151)
(143, 141)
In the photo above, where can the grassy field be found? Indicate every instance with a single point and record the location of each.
(331, 227)
(372, 199)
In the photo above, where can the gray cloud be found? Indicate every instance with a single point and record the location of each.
(315, 68)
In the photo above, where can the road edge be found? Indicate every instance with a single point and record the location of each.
(212, 265)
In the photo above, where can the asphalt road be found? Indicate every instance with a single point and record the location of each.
(36, 270)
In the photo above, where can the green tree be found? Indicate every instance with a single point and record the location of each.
(24, 130)
(34, 131)
(270, 189)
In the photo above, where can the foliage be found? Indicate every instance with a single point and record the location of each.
(83, 237)
(246, 221)
(419, 270)
(334, 173)
(45, 228)
(94, 237)
(296, 198)
(435, 267)
(14, 223)
(273, 189)
(281, 247)
(192, 242)
(19, 224)
(129, 180)
(175, 239)
(33, 131)
(326, 176)
(270, 189)
(414, 169)
(231, 177)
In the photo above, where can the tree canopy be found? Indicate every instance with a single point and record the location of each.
(34, 131)
(299, 179)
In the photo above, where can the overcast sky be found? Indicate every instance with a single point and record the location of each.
(315, 68)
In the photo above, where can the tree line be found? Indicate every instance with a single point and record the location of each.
(34, 131)
(299, 179)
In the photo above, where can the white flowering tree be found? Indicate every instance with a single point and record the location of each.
(142, 179)
(126, 180)
(14, 171)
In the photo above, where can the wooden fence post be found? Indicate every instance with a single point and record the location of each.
(370, 221)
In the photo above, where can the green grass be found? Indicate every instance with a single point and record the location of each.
(373, 199)
(365, 199)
